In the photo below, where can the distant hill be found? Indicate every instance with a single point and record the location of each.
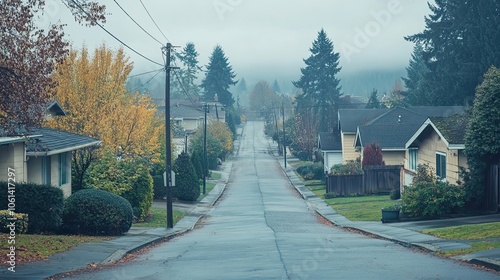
(363, 82)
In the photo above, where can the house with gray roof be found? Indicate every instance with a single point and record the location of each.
(330, 145)
(348, 122)
(42, 155)
(440, 143)
(391, 130)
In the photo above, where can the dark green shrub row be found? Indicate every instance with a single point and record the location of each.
(20, 222)
(43, 204)
(312, 171)
(97, 212)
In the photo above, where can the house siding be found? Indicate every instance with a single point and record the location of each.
(13, 156)
(429, 145)
(348, 150)
(393, 157)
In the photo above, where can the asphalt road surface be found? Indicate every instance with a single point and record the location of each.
(262, 230)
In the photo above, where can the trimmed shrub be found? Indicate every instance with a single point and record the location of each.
(159, 189)
(97, 212)
(140, 195)
(187, 186)
(432, 199)
(395, 194)
(43, 204)
(312, 171)
(352, 167)
(20, 222)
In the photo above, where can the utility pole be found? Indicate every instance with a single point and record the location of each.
(168, 157)
(284, 139)
(205, 166)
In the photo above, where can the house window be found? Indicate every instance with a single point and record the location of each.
(441, 165)
(63, 169)
(46, 173)
(412, 159)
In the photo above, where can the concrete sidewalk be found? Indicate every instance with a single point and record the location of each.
(403, 233)
(107, 252)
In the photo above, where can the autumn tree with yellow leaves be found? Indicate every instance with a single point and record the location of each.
(92, 91)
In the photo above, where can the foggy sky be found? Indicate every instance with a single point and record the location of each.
(262, 39)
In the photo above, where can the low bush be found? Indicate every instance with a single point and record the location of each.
(432, 199)
(312, 171)
(395, 194)
(97, 212)
(20, 222)
(352, 167)
(43, 204)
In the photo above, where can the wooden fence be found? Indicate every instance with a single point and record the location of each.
(375, 179)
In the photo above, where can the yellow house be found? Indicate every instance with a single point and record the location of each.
(439, 142)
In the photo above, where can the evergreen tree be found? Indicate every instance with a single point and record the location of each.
(374, 102)
(320, 88)
(416, 93)
(460, 42)
(482, 141)
(219, 78)
(276, 86)
(187, 185)
(242, 86)
(189, 70)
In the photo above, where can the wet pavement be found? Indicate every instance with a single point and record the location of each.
(261, 230)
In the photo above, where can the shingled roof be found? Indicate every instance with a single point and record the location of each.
(393, 129)
(49, 141)
(328, 141)
(349, 119)
(451, 129)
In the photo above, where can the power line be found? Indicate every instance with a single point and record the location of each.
(144, 6)
(111, 34)
(149, 72)
(138, 23)
(159, 71)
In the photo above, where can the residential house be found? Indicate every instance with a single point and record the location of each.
(348, 122)
(330, 145)
(438, 142)
(42, 155)
(392, 129)
(188, 116)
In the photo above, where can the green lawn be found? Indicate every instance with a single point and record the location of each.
(159, 218)
(467, 232)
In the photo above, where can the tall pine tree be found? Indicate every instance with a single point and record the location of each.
(319, 85)
(189, 71)
(460, 43)
(219, 78)
(416, 93)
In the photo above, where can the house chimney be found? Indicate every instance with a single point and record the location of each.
(216, 98)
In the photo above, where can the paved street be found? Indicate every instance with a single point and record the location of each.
(262, 229)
